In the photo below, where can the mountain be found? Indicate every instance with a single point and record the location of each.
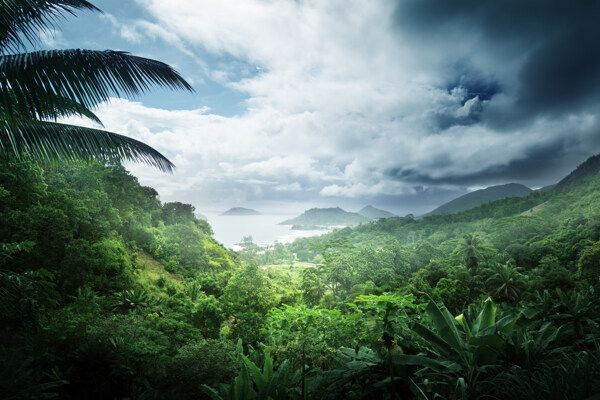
(325, 217)
(528, 228)
(589, 168)
(374, 213)
(239, 212)
(480, 197)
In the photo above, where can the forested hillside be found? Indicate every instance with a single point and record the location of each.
(479, 197)
(537, 257)
(109, 293)
(105, 291)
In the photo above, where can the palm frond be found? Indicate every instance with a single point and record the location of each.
(21, 109)
(22, 20)
(50, 142)
(87, 77)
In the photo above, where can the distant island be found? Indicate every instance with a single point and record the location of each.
(323, 218)
(483, 196)
(240, 212)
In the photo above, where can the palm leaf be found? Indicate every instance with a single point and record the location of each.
(59, 108)
(54, 142)
(22, 20)
(43, 78)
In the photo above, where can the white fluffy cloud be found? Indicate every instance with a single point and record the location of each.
(339, 104)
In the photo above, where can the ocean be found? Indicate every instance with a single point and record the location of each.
(229, 230)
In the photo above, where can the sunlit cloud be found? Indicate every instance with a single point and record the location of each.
(355, 100)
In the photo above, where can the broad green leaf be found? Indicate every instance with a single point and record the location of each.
(446, 326)
(462, 320)
(268, 367)
(442, 346)
(243, 385)
(486, 317)
(254, 371)
(438, 366)
(212, 393)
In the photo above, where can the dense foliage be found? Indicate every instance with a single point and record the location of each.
(105, 292)
(108, 293)
(103, 284)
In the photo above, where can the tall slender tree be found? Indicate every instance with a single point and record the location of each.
(507, 283)
(472, 249)
(39, 87)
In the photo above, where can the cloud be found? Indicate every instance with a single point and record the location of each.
(139, 31)
(539, 52)
(372, 100)
(289, 187)
(53, 38)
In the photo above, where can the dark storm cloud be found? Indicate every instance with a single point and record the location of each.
(421, 202)
(474, 82)
(564, 73)
(540, 164)
(543, 54)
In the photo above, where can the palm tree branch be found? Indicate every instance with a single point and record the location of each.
(87, 77)
(22, 20)
(21, 110)
(54, 142)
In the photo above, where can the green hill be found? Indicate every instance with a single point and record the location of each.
(326, 217)
(126, 283)
(375, 213)
(551, 223)
(588, 169)
(482, 196)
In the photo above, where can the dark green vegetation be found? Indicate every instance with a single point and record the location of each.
(588, 169)
(479, 197)
(105, 292)
(39, 87)
(494, 302)
(240, 211)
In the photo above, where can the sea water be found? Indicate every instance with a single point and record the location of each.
(264, 229)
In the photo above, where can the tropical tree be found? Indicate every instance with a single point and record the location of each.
(507, 283)
(37, 88)
(463, 350)
(589, 263)
(472, 249)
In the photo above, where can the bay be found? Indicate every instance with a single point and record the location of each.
(264, 229)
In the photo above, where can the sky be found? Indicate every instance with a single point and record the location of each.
(402, 104)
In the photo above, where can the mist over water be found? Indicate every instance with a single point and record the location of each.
(263, 228)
